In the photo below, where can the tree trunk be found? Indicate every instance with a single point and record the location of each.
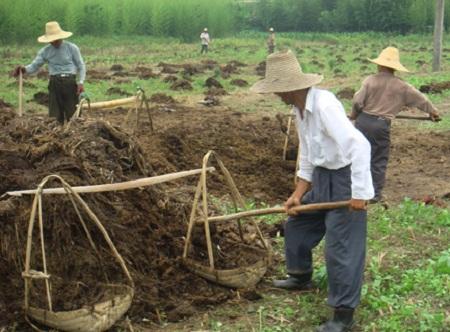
(438, 31)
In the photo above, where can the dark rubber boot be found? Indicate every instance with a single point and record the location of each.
(295, 282)
(341, 322)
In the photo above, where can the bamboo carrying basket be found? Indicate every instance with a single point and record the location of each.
(241, 277)
(93, 318)
(138, 101)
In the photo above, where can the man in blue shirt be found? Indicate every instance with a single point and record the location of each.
(64, 62)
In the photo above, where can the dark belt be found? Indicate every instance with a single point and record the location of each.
(376, 117)
(66, 76)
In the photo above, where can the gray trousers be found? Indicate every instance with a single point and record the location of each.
(345, 237)
(63, 97)
(378, 132)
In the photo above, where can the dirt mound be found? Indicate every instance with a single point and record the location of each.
(418, 165)
(145, 73)
(121, 74)
(122, 80)
(41, 98)
(435, 87)
(228, 69)
(117, 91)
(346, 93)
(94, 152)
(209, 64)
(116, 67)
(4, 104)
(213, 91)
(181, 85)
(239, 82)
(92, 74)
(261, 69)
(162, 98)
(236, 63)
(212, 82)
(191, 70)
(251, 147)
(170, 79)
(211, 101)
(168, 68)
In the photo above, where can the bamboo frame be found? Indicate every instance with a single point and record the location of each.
(29, 274)
(229, 277)
(286, 139)
(150, 181)
(20, 92)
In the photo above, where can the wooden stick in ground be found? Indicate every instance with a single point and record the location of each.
(286, 140)
(20, 93)
(412, 117)
(273, 210)
(115, 186)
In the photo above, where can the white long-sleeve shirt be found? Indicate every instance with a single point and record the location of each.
(204, 36)
(328, 139)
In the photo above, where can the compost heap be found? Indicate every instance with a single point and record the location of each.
(147, 225)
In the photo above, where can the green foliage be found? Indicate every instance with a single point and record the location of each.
(24, 19)
(184, 19)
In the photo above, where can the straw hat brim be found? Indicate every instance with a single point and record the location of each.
(390, 64)
(51, 38)
(300, 82)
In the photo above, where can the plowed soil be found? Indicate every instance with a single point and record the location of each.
(148, 225)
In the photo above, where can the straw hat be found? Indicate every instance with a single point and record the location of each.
(53, 32)
(284, 74)
(389, 57)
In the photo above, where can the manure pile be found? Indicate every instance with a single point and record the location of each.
(147, 225)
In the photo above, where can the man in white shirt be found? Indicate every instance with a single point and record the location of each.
(204, 36)
(334, 166)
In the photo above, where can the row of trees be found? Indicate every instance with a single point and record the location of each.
(342, 15)
(23, 19)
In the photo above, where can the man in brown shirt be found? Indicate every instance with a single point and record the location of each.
(380, 99)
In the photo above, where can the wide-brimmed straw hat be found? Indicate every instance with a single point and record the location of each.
(53, 32)
(284, 74)
(389, 57)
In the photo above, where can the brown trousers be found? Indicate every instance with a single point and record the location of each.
(63, 97)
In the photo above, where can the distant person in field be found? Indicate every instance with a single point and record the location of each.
(271, 41)
(334, 166)
(205, 40)
(64, 62)
(381, 97)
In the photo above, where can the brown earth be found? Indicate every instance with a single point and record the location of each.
(117, 91)
(41, 98)
(239, 82)
(181, 84)
(250, 145)
(95, 152)
(346, 93)
(162, 98)
(212, 82)
(435, 87)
